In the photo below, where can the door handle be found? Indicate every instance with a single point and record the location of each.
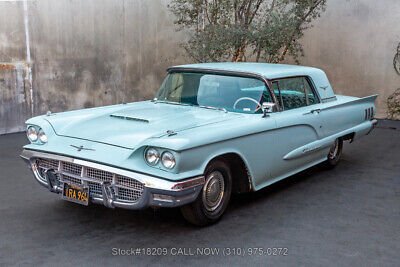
(313, 111)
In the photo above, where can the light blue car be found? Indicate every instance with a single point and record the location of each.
(213, 129)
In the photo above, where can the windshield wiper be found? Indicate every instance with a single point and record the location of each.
(209, 107)
(186, 104)
(170, 102)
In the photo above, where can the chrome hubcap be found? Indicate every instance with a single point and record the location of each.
(213, 191)
(334, 150)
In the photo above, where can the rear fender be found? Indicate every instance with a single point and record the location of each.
(346, 113)
(368, 100)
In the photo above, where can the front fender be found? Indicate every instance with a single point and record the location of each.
(197, 159)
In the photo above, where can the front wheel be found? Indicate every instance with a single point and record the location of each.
(335, 153)
(213, 199)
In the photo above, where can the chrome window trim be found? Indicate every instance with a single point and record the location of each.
(329, 99)
(230, 73)
(310, 82)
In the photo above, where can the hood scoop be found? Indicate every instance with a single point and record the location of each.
(129, 118)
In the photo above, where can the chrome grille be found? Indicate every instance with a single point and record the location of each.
(44, 164)
(71, 179)
(100, 175)
(72, 168)
(95, 188)
(48, 163)
(124, 188)
(126, 194)
(131, 183)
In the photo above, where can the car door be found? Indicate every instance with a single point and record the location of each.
(298, 125)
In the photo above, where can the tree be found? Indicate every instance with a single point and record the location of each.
(221, 30)
(396, 60)
(393, 101)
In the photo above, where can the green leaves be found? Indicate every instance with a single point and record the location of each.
(393, 105)
(393, 101)
(221, 30)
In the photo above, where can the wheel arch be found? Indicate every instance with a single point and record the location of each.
(241, 175)
(349, 136)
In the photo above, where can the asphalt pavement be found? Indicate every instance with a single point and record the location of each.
(346, 216)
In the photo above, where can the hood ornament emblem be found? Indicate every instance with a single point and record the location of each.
(80, 148)
(171, 133)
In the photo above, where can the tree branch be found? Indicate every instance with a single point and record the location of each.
(258, 4)
(291, 39)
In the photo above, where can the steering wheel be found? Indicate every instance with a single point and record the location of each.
(249, 99)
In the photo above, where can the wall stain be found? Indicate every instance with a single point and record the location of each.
(98, 52)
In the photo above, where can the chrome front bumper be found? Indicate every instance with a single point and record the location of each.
(152, 191)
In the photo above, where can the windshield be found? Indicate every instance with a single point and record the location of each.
(233, 93)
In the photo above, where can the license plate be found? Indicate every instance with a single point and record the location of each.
(76, 193)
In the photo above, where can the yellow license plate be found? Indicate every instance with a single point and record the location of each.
(76, 193)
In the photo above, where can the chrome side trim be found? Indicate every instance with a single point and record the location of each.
(328, 141)
(329, 99)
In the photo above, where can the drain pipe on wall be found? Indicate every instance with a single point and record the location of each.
(28, 76)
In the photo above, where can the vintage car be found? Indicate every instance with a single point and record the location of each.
(213, 129)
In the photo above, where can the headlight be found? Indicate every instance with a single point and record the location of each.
(32, 134)
(168, 160)
(152, 156)
(42, 136)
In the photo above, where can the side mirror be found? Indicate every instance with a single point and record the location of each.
(268, 107)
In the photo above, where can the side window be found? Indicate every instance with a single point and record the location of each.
(292, 93)
(275, 88)
(312, 98)
(295, 93)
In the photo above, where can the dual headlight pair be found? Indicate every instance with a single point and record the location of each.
(152, 156)
(35, 134)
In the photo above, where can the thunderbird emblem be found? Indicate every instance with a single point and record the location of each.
(80, 148)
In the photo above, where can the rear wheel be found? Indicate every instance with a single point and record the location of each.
(213, 200)
(335, 153)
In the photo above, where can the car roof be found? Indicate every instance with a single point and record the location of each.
(267, 70)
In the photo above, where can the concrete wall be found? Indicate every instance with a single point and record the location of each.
(355, 42)
(15, 97)
(86, 53)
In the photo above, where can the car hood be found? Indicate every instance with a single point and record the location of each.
(129, 125)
